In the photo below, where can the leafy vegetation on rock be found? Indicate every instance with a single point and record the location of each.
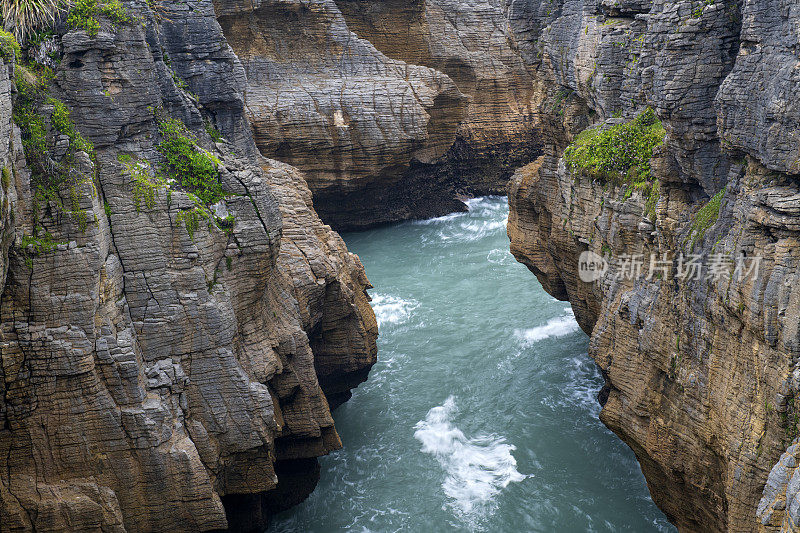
(39, 243)
(85, 15)
(195, 169)
(706, 217)
(9, 47)
(619, 152)
(33, 109)
(145, 182)
(5, 180)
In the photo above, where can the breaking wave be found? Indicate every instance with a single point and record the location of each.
(391, 309)
(476, 469)
(555, 327)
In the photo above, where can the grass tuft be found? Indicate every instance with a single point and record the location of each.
(24, 17)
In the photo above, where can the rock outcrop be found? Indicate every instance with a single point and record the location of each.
(701, 371)
(392, 108)
(167, 364)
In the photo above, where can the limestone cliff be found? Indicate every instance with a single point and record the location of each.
(169, 359)
(701, 372)
(390, 108)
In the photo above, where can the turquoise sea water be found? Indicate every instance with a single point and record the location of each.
(481, 414)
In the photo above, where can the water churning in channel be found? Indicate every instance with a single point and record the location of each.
(481, 414)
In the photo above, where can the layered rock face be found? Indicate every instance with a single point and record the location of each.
(390, 108)
(701, 372)
(165, 364)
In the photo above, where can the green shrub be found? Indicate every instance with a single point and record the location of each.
(213, 132)
(39, 243)
(706, 217)
(619, 152)
(145, 183)
(63, 123)
(85, 14)
(191, 218)
(9, 47)
(47, 175)
(195, 169)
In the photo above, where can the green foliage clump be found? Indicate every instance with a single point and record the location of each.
(144, 181)
(195, 169)
(23, 17)
(9, 47)
(620, 152)
(706, 217)
(85, 14)
(47, 175)
(5, 180)
(39, 243)
(191, 218)
(62, 122)
(213, 132)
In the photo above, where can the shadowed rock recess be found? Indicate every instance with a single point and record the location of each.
(702, 375)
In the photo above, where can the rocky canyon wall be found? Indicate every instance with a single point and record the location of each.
(393, 108)
(701, 371)
(168, 361)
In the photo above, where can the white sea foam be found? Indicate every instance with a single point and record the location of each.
(476, 469)
(500, 256)
(555, 327)
(437, 220)
(391, 309)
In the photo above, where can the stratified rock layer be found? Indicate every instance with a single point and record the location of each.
(701, 374)
(335, 89)
(154, 377)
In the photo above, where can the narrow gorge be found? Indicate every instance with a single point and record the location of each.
(179, 316)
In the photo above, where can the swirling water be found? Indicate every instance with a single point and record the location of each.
(481, 414)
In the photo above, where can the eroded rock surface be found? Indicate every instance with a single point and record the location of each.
(390, 108)
(701, 374)
(162, 372)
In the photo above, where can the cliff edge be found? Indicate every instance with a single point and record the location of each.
(701, 366)
(176, 320)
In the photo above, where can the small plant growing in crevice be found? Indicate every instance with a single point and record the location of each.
(41, 242)
(5, 180)
(652, 201)
(191, 218)
(213, 132)
(144, 182)
(705, 218)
